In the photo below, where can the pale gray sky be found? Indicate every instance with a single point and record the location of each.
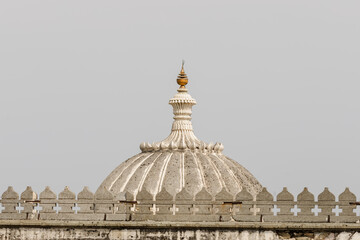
(82, 83)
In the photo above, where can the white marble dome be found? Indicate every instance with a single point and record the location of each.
(180, 161)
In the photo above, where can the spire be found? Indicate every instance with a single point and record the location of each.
(182, 79)
(182, 136)
(182, 103)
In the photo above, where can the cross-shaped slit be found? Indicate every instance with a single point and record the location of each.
(174, 209)
(38, 208)
(57, 208)
(19, 208)
(214, 209)
(295, 210)
(275, 210)
(254, 210)
(76, 208)
(357, 210)
(133, 208)
(337, 210)
(316, 210)
(154, 209)
(1, 208)
(194, 209)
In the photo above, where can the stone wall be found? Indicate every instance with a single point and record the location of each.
(17, 230)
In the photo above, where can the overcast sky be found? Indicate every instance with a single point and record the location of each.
(83, 83)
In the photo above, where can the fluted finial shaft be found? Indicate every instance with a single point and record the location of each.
(182, 104)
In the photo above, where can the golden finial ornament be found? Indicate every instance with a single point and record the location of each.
(182, 79)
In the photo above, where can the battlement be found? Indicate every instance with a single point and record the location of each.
(203, 207)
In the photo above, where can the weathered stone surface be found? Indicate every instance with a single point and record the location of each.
(344, 236)
(72, 217)
(224, 195)
(150, 230)
(28, 194)
(10, 194)
(284, 235)
(164, 195)
(103, 194)
(47, 194)
(203, 195)
(285, 195)
(66, 194)
(305, 195)
(52, 234)
(183, 195)
(244, 195)
(264, 195)
(85, 194)
(355, 236)
(13, 216)
(144, 195)
(324, 235)
(326, 195)
(347, 196)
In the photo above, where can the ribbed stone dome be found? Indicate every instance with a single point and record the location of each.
(180, 161)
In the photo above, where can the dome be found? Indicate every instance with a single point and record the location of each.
(181, 161)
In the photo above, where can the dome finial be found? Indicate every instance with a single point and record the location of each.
(182, 79)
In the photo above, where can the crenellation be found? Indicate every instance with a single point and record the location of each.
(305, 202)
(66, 201)
(10, 201)
(28, 202)
(164, 195)
(104, 201)
(85, 194)
(28, 195)
(144, 195)
(47, 201)
(47, 194)
(10, 194)
(203, 195)
(285, 201)
(165, 203)
(66, 194)
(265, 204)
(183, 195)
(85, 201)
(347, 203)
(103, 194)
(245, 210)
(326, 202)
(244, 195)
(243, 207)
(224, 195)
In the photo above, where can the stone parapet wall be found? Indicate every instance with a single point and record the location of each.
(203, 207)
